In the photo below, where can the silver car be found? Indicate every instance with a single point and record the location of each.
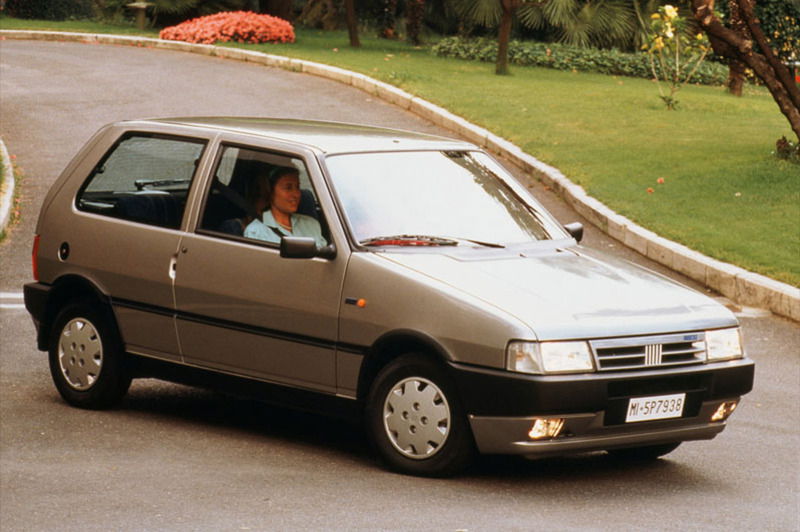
(401, 279)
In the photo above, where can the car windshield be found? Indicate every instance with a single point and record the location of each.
(436, 198)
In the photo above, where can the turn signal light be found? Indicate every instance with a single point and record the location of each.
(724, 411)
(35, 258)
(543, 429)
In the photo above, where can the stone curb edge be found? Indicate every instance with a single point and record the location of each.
(741, 286)
(7, 188)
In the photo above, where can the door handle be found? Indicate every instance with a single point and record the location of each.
(173, 267)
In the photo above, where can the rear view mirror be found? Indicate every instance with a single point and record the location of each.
(304, 247)
(575, 229)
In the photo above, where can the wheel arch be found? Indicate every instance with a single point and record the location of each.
(64, 290)
(392, 345)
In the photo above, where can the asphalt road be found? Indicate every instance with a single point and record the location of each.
(175, 458)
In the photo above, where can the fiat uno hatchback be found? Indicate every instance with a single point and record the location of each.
(420, 289)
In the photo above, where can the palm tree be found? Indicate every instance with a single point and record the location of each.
(603, 23)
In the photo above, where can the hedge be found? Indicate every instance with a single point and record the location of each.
(570, 58)
(50, 9)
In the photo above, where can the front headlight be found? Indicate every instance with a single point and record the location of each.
(723, 344)
(549, 357)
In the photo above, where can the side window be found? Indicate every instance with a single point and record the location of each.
(239, 202)
(143, 178)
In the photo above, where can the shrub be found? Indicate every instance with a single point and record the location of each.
(671, 38)
(50, 9)
(787, 150)
(569, 58)
(238, 26)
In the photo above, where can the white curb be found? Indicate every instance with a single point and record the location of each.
(743, 287)
(6, 189)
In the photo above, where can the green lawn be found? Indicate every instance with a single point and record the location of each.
(724, 194)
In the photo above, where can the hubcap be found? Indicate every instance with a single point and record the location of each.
(416, 417)
(80, 354)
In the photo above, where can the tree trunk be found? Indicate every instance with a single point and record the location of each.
(352, 23)
(735, 77)
(319, 14)
(331, 19)
(415, 11)
(387, 30)
(736, 68)
(739, 46)
(503, 36)
(279, 8)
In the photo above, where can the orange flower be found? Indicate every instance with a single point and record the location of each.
(660, 180)
(239, 26)
(650, 190)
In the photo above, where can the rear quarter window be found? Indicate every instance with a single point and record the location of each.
(143, 178)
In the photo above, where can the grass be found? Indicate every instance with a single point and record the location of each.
(723, 194)
(80, 26)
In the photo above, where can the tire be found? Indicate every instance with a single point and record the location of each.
(87, 362)
(415, 420)
(643, 454)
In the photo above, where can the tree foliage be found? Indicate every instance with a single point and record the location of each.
(780, 22)
(750, 46)
(50, 9)
(600, 23)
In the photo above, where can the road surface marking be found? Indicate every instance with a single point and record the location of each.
(11, 301)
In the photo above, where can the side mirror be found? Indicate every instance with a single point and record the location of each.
(304, 247)
(575, 229)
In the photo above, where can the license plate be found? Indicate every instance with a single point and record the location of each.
(655, 407)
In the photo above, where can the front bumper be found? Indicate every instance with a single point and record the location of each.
(502, 406)
(587, 432)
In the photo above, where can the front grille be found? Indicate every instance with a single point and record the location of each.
(619, 354)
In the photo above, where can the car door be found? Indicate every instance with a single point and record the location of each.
(243, 309)
(127, 230)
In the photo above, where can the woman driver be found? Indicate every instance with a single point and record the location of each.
(282, 219)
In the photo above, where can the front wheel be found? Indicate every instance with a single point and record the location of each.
(86, 357)
(415, 420)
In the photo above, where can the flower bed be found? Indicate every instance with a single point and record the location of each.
(237, 26)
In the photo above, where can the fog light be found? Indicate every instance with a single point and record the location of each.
(546, 428)
(724, 410)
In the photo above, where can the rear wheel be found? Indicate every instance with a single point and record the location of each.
(87, 361)
(643, 454)
(415, 419)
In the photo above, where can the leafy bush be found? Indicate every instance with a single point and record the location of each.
(238, 26)
(50, 9)
(570, 58)
(787, 150)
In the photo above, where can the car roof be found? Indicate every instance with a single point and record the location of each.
(328, 137)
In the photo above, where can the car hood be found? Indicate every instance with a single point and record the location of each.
(571, 293)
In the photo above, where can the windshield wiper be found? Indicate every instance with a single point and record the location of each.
(422, 240)
(408, 240)
(481, 243)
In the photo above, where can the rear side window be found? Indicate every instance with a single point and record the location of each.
(144, 178)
